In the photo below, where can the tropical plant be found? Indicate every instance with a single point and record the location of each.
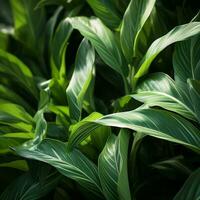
(90, 107)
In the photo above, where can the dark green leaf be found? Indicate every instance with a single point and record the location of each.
(113, 171)
(106, 11)
(191, 188)
(186, 60)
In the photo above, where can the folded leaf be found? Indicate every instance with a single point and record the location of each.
(134, 19)
(159, 89)
(81, 79)
(157, 123)
(113, 171)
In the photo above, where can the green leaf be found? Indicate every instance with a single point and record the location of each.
(29, 24)
(103, 40)
(59, 45)
(72, 164)
(113, 171)
(16, 164)
(157, 123)
(106, 11)
(81, 79)
(191, 188)
(26, 187)
(10, 95)
(42, 3)
(177, 34)
(159, 89)
(18, 72)
(134, 19)
(186, 61)
(194, 87)
(12, 113)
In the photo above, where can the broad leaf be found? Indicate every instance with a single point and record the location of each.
(106, 11)
(113, 171)
(157, 123)
(134, 19)
(191, 188)
(27, 187)
(72, 164)
(81, 79)
(160, 90)
(177, 34)
(29, 24)
(18, 72)
(103, 40)
(186, 60)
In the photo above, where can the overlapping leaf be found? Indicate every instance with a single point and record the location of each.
(186, 60)
(113, 171)
(103, 40)
(81, 79)
(18, 71)
(29, 24)
(72, 164)
(106, 11)
(177, 34)
(160, 90)
(135, 16)
(191, 188)
(156, 123)
(27, 187)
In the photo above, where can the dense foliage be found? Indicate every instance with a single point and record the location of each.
(99, 99)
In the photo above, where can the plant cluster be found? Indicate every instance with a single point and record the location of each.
(99, 99)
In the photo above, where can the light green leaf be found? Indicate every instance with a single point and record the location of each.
(159, 89)
(106, 11)
(191, 188)
(18, 72)
(113, 171)
(72, 164)
(81, 79)
(177, 34)
(134, 19)
(157, 123)
(12, 113)
(186, 60)
(17, 164)
(10, 95)
(27, 187)
(29, 24)
(103, 40)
